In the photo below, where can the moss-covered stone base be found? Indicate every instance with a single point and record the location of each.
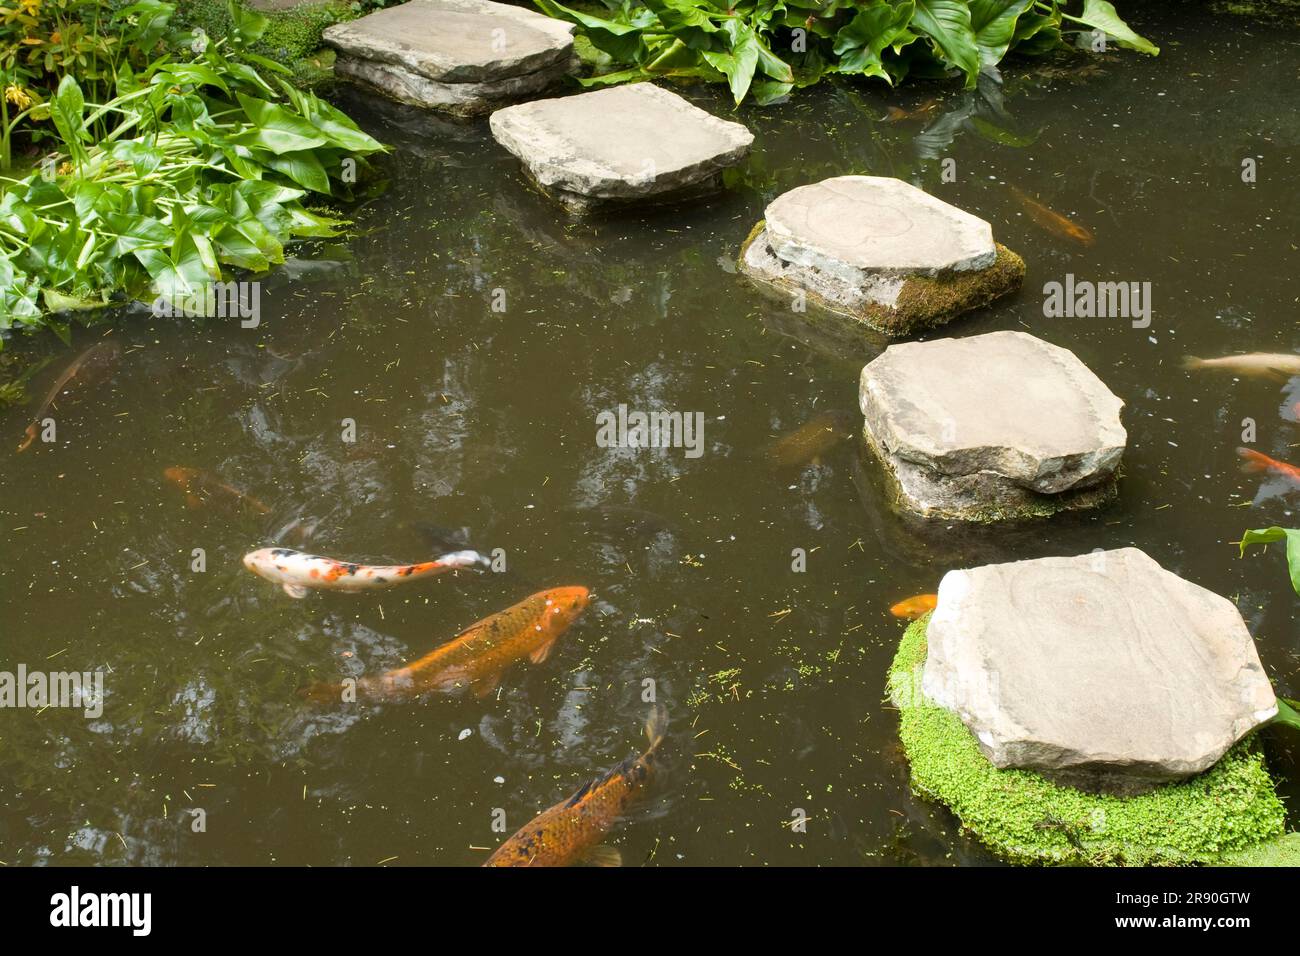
(924, 302)
(980, 498)
(1229, 815)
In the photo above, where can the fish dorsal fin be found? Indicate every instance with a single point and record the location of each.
(543, 652)
(603, 856)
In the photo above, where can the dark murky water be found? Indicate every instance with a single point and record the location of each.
(469, 418)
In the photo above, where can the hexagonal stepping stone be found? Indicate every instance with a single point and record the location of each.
(880, 251)
(1104, 672)
(991, 427)
(625, 144)
(466, 57)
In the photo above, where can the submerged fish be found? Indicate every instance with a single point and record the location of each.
(85, 368)
(571, 831)
(1257, 461)
(896, 114)
(1267, 364)
(811, 440)
(298, 572)
(1051, 220)
(201, 486)
(477, 658)
(620, 521)
(915, 606)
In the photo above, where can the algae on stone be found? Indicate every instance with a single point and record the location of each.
(1214, 818)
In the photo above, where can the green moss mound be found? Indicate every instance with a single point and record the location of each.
(292, 37)
(1230, 814)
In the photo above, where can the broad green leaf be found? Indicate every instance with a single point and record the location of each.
(1292, 538)
(994, 23)
(276, 129)
(948, 24)
(304, 169)
(1101, 15)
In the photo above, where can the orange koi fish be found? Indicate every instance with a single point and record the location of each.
(1053, 221)
(811, 440)
(571, 831)
(896, 114)
(202, 486)
(1257, 461)
(298, 572)
(915, 606)
(90, 365)
(477, 658)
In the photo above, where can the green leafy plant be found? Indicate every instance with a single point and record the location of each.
(1288, 711)
(205, 165)
(766, 48)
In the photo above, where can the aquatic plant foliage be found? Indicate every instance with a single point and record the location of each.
(1025, 818)
(766, 48)
(204, 163)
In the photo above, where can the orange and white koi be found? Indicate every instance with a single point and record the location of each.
(1257, 461)
(1051, 220)
(84, 369)
(571, 831)
(298, 572)
(476, 659)
(915, 606)
(201, 486)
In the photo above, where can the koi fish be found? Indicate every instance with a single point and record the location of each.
(811, 440)
(90, 365)
(1264, 364)
(1257, 461)
(202, 486)
(298, 572)
(571, 831)
(896, 114)
(915, 606)
(477, 658)
(1053, 221)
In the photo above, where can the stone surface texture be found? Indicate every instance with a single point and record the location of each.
(462, 56)
(882, 251)
(626, 143)
(1103, 671)
(995, 422)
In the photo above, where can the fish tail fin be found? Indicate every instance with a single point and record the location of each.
(1191, 362)
(461, 559)
(29, 436)
(656, 726)
(1252, 460)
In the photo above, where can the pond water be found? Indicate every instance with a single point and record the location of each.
(484, 422)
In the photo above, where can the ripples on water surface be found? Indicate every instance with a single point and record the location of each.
(484, 423)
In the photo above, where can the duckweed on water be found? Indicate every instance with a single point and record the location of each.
(1229, 814)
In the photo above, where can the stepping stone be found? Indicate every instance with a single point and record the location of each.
(624, 144)
(991, 427)
(466, 57)
(880, 251)
(1104, 671)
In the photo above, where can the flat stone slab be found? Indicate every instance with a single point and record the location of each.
(1103, 671)
(852, 225)
(880, 250)
(461, 56)
(625, 143)
(991, 426)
